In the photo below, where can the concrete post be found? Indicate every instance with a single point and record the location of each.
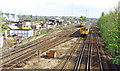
(1, 40)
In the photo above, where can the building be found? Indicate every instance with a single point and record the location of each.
(26, 24)
(1, 40)
(51, 25)
(21, 31)
(10, 17)
(38, 26)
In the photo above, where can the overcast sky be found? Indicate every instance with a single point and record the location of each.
(89, 8)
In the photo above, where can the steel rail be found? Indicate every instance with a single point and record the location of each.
(28, 46)
(101, 66)
(68, 59)
(89, 55)
(31, 50)
(32, 42)
(54, 44)
(79, 58)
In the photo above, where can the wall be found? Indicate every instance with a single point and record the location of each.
(22, 33)
(1, 40)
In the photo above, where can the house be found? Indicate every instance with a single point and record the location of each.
(12, 25)
(38, 26)
(1, 40)
(68, 22)
(35, 25)
(22, 30)
(26, 24)
(51, 25)
(10, 17)
(51, 21)
(60, 22)
(45, 25)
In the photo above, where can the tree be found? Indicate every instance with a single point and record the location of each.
(3, 26)
(28, 19)
(108, 28)
(64, 18)
(42, 19)
(47, 18)
(36, 19)
(84, 18)
(81, 17)
(31, 16)
(18, 16)
(103, 13)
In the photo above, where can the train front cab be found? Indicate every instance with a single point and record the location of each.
(84, 31)
(81, 24)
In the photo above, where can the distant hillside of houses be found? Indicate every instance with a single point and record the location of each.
(24, 26)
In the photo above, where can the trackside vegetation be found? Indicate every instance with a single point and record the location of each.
(109, 25)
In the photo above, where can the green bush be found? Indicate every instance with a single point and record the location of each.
(108, 29)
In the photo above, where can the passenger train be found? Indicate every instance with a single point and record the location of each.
(82, 24)
(85, 29)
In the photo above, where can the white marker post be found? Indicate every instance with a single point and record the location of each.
(1, 40)
(38, 52)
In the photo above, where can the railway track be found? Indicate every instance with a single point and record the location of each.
(31, 53)
(96, 62)
(69, 63)
(40, 40)
(29, 45)
(21, 46)
(106, 58)
(73, 58)
(92, 56)
(35, 43)
(88, 56)
(81, 55)
(68, 55)
(48, 35)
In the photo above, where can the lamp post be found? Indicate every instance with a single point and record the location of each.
(19, 18)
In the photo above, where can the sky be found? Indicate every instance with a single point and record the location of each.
(89, 8)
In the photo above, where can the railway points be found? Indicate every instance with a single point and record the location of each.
(73, 51)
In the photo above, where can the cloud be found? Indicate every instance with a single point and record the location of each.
(58, 7)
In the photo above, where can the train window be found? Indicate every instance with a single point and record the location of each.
(86, 29)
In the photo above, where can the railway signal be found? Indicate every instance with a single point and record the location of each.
(38, 52)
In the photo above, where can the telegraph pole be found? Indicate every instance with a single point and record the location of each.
(19, 18)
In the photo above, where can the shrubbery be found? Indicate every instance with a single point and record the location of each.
(108, 27)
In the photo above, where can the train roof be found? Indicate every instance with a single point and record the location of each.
(88, 25)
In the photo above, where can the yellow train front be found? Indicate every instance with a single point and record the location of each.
(82, 24)
(84, 31)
